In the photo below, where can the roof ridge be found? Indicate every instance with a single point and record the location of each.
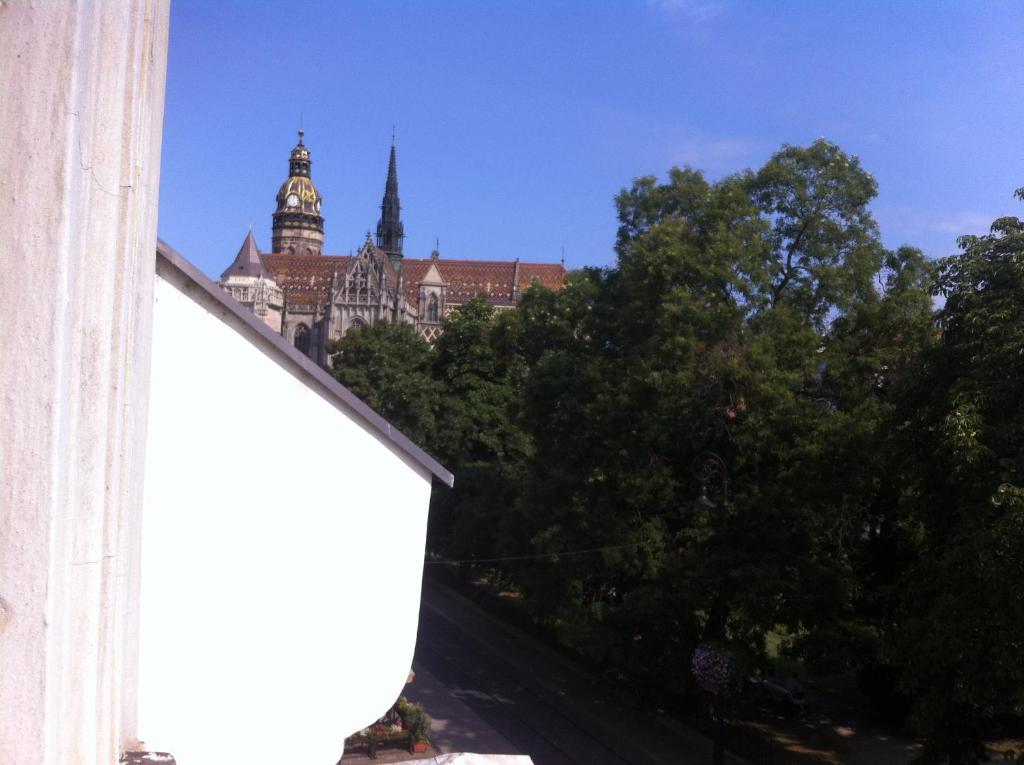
(510, 263)
(310, 258)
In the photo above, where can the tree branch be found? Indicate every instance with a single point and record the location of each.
(787, 273)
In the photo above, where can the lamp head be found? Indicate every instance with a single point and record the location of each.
(703, 502)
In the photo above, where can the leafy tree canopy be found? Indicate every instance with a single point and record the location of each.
(960, 606)
(758, 317)
(390, 368)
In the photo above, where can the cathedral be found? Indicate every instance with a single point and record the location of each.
(310, 297)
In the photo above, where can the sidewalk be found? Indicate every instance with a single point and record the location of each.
(818, 739)
(455, 727)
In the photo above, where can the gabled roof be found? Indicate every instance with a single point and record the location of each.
(432, 276)
(247, 262)
(307, 278)
(500, 280)
(381, 257)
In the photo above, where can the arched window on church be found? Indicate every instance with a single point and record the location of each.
(432, 309)
(302, 338)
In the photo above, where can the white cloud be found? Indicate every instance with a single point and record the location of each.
(917, 222)
(694, 12)
(654, 145)
(934, 231)
(713, 153)
(693, 21)
(965, 222)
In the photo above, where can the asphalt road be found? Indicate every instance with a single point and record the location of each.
(536, 699)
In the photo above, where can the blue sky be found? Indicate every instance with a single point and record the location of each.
(518, 122)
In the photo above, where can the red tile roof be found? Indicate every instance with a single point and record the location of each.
(306, 278)
(465, 279)
(550, 275)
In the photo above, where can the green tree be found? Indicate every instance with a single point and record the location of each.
(960, 618)
(732, 322)
(823, 240)
(476, 423)
(390, 368)
(866, 355)
(477, 434)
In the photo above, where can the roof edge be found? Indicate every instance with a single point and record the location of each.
(332, 388)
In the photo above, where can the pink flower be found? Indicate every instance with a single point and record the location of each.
(715, 669)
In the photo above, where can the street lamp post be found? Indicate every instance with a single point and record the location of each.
(710, 468)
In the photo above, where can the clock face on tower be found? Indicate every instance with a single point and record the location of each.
(317, 205)
(292, 200)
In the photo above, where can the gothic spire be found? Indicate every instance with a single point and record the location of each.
(390, 231)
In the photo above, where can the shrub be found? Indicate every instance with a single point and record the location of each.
(417, 722)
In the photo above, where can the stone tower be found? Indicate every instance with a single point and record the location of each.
(298, 225)
(390, 231)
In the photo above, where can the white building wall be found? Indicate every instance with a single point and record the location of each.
(282, 551)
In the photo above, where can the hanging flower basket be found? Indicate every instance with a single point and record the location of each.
(717, 668)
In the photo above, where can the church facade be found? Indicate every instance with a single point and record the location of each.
(310, 297)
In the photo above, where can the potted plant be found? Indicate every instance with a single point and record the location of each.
(418, 724)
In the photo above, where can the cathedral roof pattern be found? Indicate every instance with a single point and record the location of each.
(307, 278)
(500, 280)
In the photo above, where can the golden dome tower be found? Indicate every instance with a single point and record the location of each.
(298, 226)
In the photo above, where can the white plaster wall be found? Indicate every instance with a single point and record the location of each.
(81, 110)
(282, 553)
